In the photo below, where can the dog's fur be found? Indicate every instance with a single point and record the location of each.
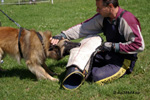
(33, 51)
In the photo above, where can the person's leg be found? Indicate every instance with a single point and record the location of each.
(107, 73)
(108, 68)
(79, 60)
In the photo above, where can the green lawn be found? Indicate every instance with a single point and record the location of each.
(18, 83)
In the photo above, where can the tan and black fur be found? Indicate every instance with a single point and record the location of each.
(32, 49)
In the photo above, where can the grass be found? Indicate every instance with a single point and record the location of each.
(18, 83)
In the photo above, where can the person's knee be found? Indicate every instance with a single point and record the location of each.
(107, 73)
(97, 74)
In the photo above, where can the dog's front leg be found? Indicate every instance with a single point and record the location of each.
(39, 71)
(1, 54)
(47, 70)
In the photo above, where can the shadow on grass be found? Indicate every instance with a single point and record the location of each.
(57, 63)
(25, 74)
(16, 72)
(61, 78)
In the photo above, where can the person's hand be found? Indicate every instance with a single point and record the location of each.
(56, 39)
(107, 47)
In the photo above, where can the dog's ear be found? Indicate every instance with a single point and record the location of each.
(40, 32)
(48, 33)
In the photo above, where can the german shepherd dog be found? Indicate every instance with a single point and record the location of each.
(33, 50)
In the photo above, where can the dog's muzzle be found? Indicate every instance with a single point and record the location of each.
(68, 46)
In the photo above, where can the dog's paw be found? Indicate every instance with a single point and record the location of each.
(55, 79)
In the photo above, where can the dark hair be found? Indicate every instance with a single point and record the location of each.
(114, 2)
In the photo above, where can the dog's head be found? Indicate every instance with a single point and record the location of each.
(57, 51)
(63, 48)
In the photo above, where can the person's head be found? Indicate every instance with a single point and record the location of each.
(106, 7)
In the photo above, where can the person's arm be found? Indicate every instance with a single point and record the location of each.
(91, 26)
(88, 27)
(130, 29)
